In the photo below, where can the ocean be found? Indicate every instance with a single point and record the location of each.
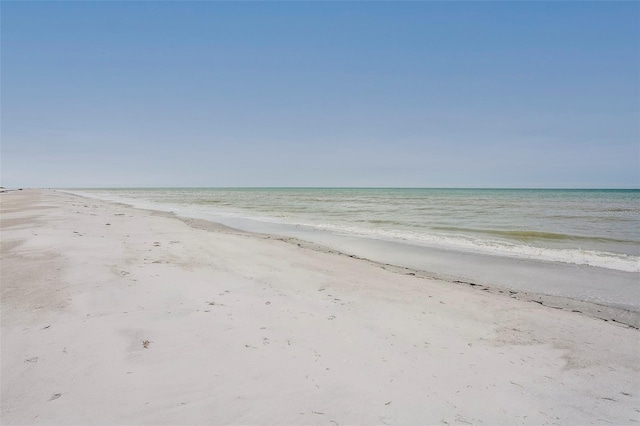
(546, 229)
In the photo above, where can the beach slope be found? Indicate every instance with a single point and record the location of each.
(114, 315)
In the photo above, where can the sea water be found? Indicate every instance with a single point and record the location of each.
(576, 243)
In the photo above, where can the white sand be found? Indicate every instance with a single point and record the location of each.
(244, 329)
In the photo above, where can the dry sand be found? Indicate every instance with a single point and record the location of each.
(112, 315)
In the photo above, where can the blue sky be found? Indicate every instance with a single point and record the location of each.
(413, 94)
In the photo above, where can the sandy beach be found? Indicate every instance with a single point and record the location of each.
(115, 315)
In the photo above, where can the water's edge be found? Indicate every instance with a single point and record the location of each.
(625, 315)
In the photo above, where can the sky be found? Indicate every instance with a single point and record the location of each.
(348, 94)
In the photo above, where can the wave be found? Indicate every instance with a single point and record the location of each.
(532, 235)
(601, 259)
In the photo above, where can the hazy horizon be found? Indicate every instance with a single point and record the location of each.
(349, 187)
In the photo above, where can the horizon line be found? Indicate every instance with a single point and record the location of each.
(339, 187)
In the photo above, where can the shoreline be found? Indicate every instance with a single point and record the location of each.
(106, 306)
(604, 312)
(298, 214)
(591, 309)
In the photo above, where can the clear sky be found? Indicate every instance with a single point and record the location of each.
(412, 94)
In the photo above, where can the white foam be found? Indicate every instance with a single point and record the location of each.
(600, 259)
